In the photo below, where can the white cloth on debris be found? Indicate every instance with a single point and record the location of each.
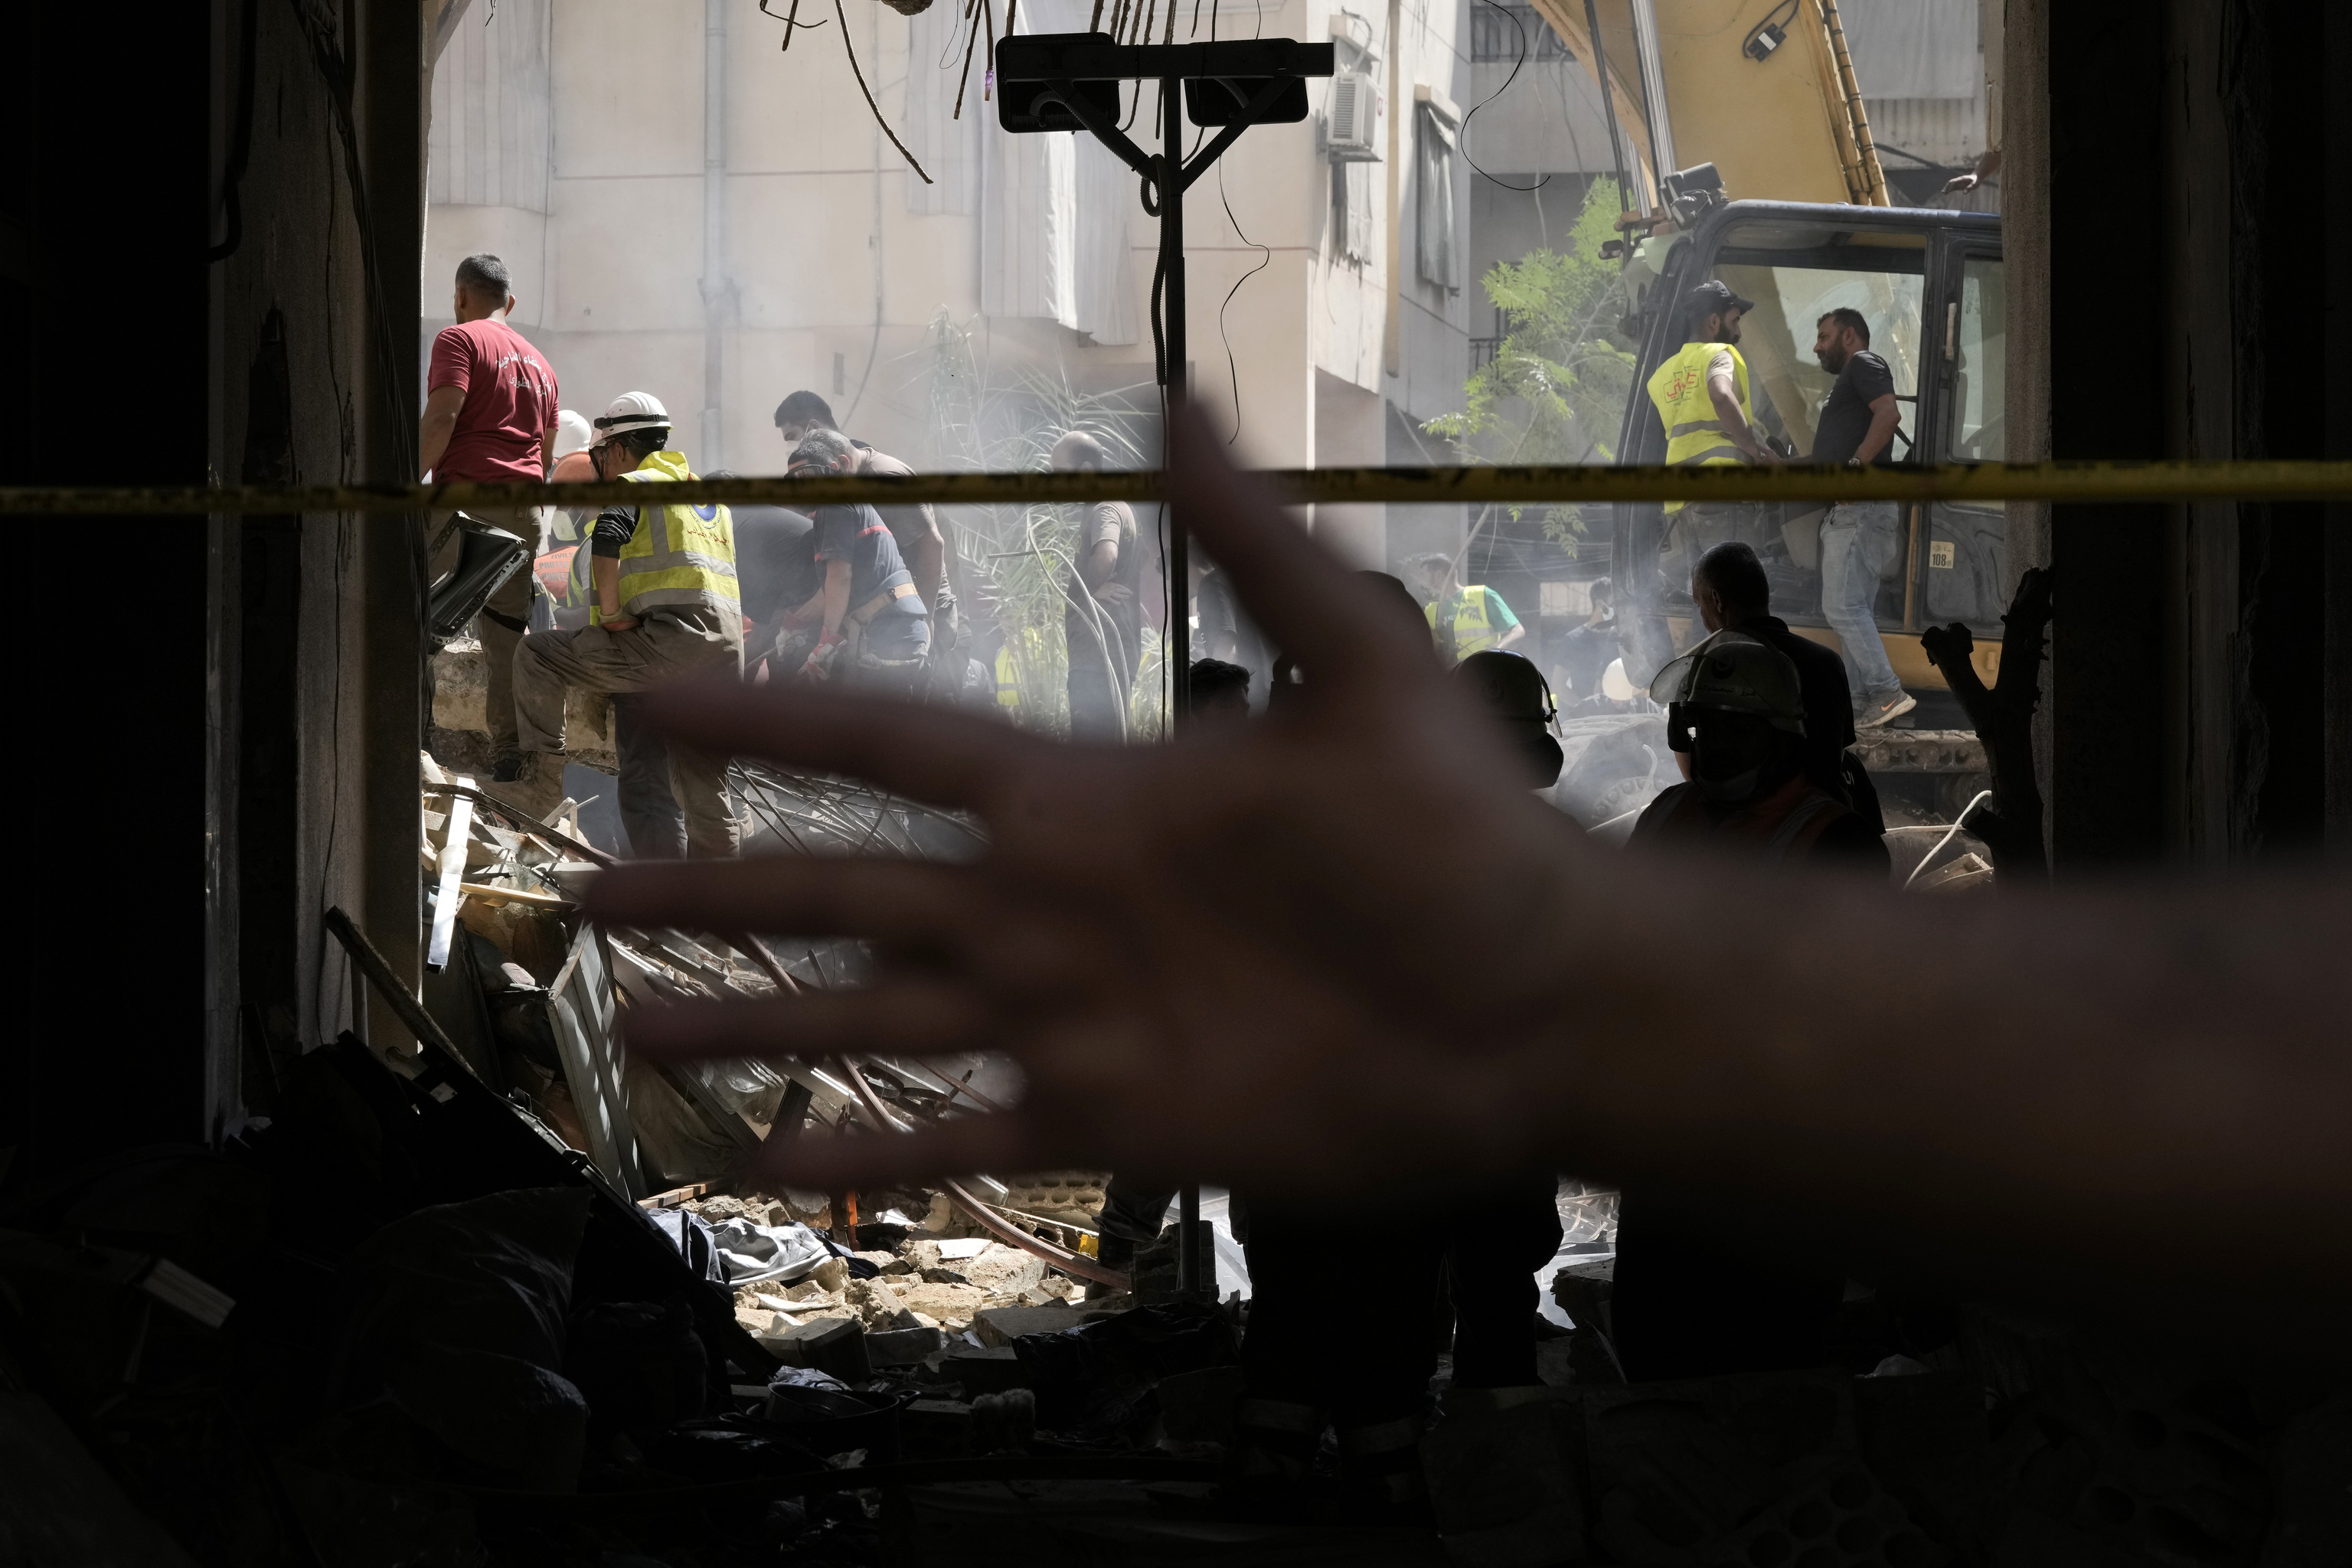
(758, 1253)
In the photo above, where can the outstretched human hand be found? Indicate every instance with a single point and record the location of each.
(1284, 951)
(1341, 944)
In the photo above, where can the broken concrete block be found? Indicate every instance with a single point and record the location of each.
(1003, 1325)
(830, 1274)
(1198, 1406)
(756, 1319)
(903, 1347)
(920, 1255)
(950, 1304)
(877, 1306)
(1003, 1270)
(886, 1262)
(984, 1371)
(835, 1345)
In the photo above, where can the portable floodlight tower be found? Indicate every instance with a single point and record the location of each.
(1070, 81)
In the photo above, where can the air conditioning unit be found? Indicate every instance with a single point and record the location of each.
(1351, 123)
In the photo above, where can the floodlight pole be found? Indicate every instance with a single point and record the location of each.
(1176, 649)
(1175, 387)
(1040, 73)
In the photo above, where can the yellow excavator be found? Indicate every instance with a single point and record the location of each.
(1739, 126)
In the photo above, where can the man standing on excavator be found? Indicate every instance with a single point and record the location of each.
(1860, 540)
(1703, 400)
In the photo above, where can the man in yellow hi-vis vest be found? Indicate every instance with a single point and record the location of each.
(1703, 399)
(665, 606)
(1463, 620)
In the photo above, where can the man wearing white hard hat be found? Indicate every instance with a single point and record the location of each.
(665, 606)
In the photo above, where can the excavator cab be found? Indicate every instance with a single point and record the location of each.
(1929, 284)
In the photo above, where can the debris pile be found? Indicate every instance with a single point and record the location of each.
(512, 1297)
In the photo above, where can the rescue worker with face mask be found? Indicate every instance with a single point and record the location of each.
(664, 607)
(1737, 707)
(1690, 1298)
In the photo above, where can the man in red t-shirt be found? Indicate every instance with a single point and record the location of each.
(490, 416)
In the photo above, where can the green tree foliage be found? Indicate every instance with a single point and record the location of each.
(1556, 388)
(1014, 560)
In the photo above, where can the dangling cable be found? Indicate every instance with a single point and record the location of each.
(1490, 98)
(852, 51)
(791, 21)
(1265, 257)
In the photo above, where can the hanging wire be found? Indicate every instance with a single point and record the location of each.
(1513, 14)
(970, 43)
(790, 20)
(1266, 258)
(851, 49)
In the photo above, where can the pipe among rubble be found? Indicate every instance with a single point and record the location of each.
(988, 1220)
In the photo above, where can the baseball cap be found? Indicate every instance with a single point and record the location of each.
(1712, 296)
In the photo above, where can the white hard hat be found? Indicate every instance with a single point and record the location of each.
(631, 411)
(571, 434)
(1614, 685)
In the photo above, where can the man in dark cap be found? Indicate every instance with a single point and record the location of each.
(1704, 402)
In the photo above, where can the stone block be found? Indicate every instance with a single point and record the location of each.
(877, 1306)
(950, 1304)
(903, 1347)
(1003, 1270)
(835, 1345)
(1003, 1325)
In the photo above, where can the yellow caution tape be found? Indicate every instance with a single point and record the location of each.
(1984, 482)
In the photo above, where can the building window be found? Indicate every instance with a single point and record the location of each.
(1438, 252)
(1493, 37)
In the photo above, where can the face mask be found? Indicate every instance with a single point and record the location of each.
(1732, 771)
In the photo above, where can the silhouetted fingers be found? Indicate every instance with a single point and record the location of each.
(930, 753)
(1322, 614)
(915, 903)
(1008, 1140)
(915, 1014)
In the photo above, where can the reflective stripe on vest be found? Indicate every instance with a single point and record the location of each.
(1695, 435)
(1008, 679)
(1463, 623)
(678, 557)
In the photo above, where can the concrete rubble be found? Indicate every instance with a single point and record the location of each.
(515, 1299)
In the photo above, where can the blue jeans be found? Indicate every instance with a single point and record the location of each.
(1859, 542)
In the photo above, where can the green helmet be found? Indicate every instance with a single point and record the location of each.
(1739, 674)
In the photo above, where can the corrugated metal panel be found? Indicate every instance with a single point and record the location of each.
(1914, 48)
(1948, 131)
(489, 144)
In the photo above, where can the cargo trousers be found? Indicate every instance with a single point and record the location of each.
(504, 618)
(652, 653)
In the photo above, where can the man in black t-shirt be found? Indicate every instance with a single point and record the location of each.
(1860, 540)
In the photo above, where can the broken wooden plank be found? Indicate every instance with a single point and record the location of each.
(452, 870)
